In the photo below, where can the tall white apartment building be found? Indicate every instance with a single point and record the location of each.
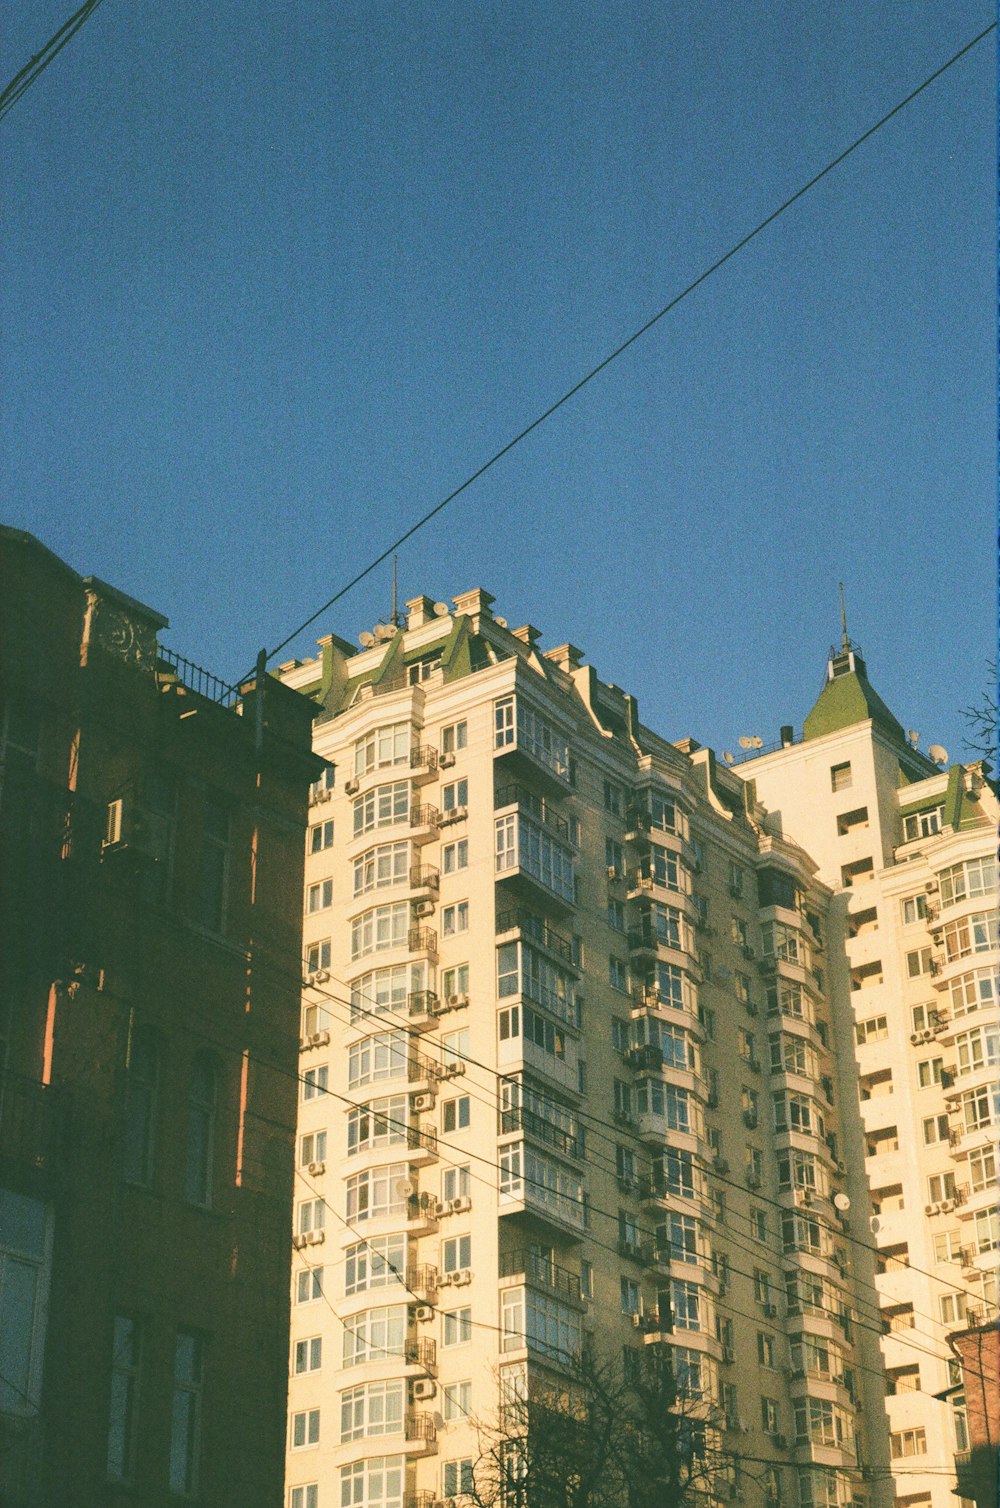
(578, 1069)
(909, 851)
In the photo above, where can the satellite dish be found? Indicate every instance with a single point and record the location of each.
(874, 1225)
(746, 743)
(756, 742)
(441, 609)
(938, 754)
(842, 1202)
(405, 1188)
(385, 631)
(913, 736)
(501, 621)
(365, 639)
(729, 756)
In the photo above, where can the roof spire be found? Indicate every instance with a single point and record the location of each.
(846, 643)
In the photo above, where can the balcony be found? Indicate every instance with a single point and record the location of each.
(420, 1430)
(537, 1271)
(423, 1354)
(425, 823)
(423, 762)
(535, 806)
(422, 1280)
(536, 931)
(541, 1130)
(422, 940)
(423, 1008)
(425, 878)
(526, 742)
(30, 1122)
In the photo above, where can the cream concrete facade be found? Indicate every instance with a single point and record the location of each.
(569, 1074)
(908, 850)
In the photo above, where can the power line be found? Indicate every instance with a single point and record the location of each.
(23, 80)
(631, 340)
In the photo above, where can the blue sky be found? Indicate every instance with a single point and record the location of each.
(274, 278)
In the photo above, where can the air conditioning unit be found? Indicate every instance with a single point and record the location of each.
(352, 786)
(931, 1209)
(321, 976)
(445, 1279)
(315, 1237)
(462, 1276)
(298, 1241)
(315, 1168)
(319, 1039)
(946, 1206)
(324, 793)
(422, 1101)
(423, 1387)
(461, 1204)
(454, 814)
(423, 908)
(423, 1312)
(915, 1039)
(454, 1001)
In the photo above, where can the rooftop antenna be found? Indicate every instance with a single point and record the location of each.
(845, 649)
(395, 615)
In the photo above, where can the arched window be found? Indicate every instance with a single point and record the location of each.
(201, 1131)
(141, 1105)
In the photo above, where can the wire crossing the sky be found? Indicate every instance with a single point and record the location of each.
(631, 340)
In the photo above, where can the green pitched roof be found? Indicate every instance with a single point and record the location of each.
(846, 700)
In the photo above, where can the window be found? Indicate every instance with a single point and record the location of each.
(758, 1224)
(213, 873)
(935, 1129)
(311, 1215)
(616, 915)
(380, 928)
(948, 1246)
(307, 1355)
(929, 1072)
(378, 868)
(314, 1081)
(377, 1058)
(453, 796)
(455, 1046)
(914, 909)
(376, 1263)
(908, 1442)
(456, 1182)
(630, 1301)
(319, 897)
(309, 1285)
(380, 1123)
(875, 1029)
(922, 824)
(666, 869)
(587, 1280)
(306, 1496)
(966, 881)
(200, 1132)
(685, 1305)
(384, 746)
(614, 798)
(455, 856)
(523, 844)
(454, 738)
(618, 973)
(373, 1409)
(141, 1105)
(940, 1186)
(769, 1416)
(305, 1429)
(973, 992)
(840, 777)
(384, 806)
(386, 989)
(918, 962)
(852, 822)
(377, 1193)
(978, 1049)
(320, 836)
(374, 1335)
(951, 1307)
(457, 1401)
(982, 1168)
(456, 1253)
(987, 1230)
(318, 955)
(971, 934)
(455, 982)
(456, 1477)
(185, 1413)
(376, 1482)
(456, 1327)
(325, 782)
(126, 1363)
(455, 1114)
(455, 919)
